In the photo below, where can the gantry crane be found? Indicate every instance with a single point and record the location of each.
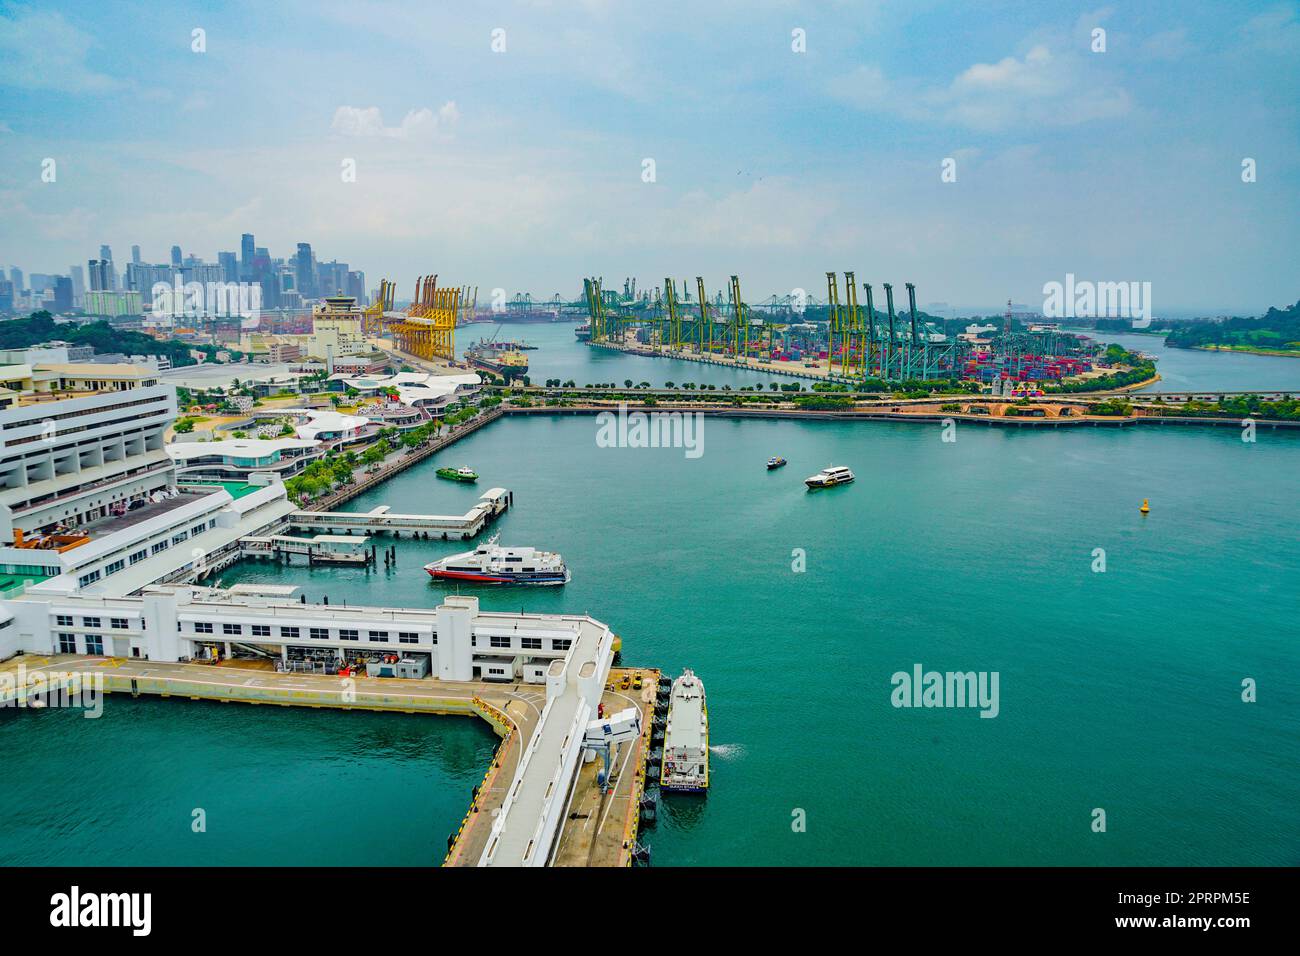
(428, 329)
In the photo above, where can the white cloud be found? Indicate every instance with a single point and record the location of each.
(1276, 30)
(42, 51)
(1039, 88)
(416, 124)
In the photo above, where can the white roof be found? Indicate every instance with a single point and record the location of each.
(324, 420)
(236, 447)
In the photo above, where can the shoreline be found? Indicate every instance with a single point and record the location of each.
(1278, 353)
(920, 417)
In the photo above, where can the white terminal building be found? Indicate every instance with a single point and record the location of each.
(102, 544)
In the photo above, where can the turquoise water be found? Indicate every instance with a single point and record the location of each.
(1199, 369)
(1118, 690)
(276, 785)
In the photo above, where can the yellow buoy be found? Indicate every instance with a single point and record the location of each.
(1146, 508)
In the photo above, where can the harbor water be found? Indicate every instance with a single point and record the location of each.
(1119, 689)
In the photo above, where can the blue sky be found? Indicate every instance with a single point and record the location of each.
(523, 169)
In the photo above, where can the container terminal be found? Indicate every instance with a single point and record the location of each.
(102, 578)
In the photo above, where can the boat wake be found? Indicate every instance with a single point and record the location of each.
(727, 751)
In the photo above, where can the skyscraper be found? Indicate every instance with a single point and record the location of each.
(16, 277)
(135, 254)
(246, 252)
(305, 271)
(229, 266)
(78, 278)
(110, 271)
(176, 257)
(62, 293)
(97, 270)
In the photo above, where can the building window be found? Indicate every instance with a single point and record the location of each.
(67, 643)
(117, 623)
(94, 644)
(85, 579)
(178, 538)
(90, 622)
(561, 644)
(232, 629)
(319, 633)
(347, 634)
(159, 546)
(197, 530)
(261, 630)
(64, 620)
(288, 632)
(202, 627)
(379, 635)
(114, 567)
(139, 556)
(499, 641)
(530, 643)
(406, 637)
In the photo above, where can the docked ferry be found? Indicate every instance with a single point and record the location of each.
(686, 739)
(490, 563)
(829, 477)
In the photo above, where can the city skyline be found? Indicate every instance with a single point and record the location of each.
(525, 168)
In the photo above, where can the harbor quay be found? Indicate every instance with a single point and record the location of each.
(470, 662)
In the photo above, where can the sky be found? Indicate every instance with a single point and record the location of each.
(506, 145)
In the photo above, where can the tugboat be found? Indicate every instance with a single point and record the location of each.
(463, 473)
(686, 738)
(829, 477)
(777, 462)
(490, 563)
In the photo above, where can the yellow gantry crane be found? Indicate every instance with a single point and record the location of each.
(372, 318)
(428, 330)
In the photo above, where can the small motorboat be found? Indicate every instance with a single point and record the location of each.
(776, 462)
(457, 474)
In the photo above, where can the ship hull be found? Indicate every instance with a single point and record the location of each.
(496, 368)
(536, 580)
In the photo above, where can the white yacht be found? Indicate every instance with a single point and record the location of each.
(490, 563)
(829, 476)
(686, 739)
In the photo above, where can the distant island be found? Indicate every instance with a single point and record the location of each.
(1276, 332)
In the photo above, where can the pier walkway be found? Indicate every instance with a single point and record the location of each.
(493, 503)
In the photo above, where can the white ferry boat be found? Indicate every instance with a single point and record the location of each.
(686, 739)
(490, 563)
(829, 476)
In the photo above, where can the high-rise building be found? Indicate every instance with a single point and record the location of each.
(110, 271)
(176, 256)
(78, 277)
(6, 296)
(16, 277)
(246, 253)
(229, 266)
(62, 293)
(97, 271)
(135, 254)
(305, 270)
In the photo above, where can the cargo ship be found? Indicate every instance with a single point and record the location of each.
(508, 363)
(686, 738)
(490, 563)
